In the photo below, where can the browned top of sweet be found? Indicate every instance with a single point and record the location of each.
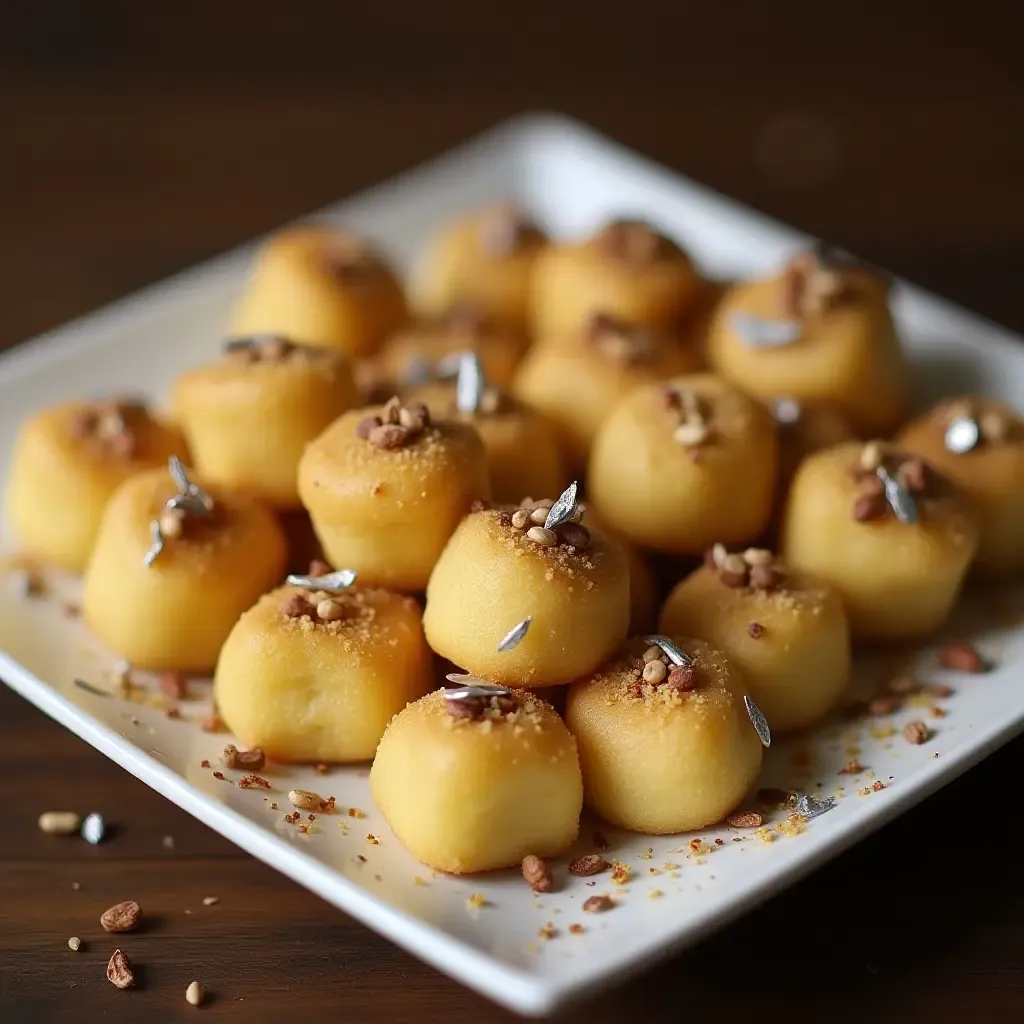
(115, 427)
(634, 243)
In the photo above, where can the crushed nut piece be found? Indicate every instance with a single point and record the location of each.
(883, 705)
(543, 536)
(682, 678)
(916, 732)
(122, 917)
(655, 672)
(194, 994)
(587, 865)
(755, 631)
(598, 904)
(243, 760)
(209, 901)
(744, 819)
(119, 971)
(61, 823)
(74, 943)
(537, 873)
(174, 685)
(961, 657)
(852, 767)
(620, 872)
(576, 929)
(303, 799)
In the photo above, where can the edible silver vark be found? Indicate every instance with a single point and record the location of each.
(186, 486)
(563, 510)
(786, 410)
(515, 635)
(675, 653)
(331, 583)
(762, 332)
(758, 721)
(156, 544)
(810, 806)
(96, 691)
(962, 436)
(900, 500)
(469, 385)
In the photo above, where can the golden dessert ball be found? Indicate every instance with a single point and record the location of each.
(627, 270)
(249, 416)
(321, 286)
(576, 380)
(384, 498)
(896, 579)
(485, 257)
(67, 462)
(991, 473)
(643, 586)
(659, 757)
(411, 356)
(310, 676)
(846, 353)
(493, 574)
(680, 466)
(176, 613)
(785, 632)
(467, 794)
(523, 456)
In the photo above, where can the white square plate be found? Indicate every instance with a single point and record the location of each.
(570, 179)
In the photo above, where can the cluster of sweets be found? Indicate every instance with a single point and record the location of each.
(405, 428)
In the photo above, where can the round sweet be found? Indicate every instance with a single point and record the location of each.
(678, 467)
(178, 612)
(664, 757)
(466, 794)
(896, 579)
(523, 456)
(317, 677)
(249, 416)
(819, 334)
(626, 270)
(577, 379)
(320, 286)
(411, 355)
(384, 498)
(785, 632)
(67, 462)
(991, 473)
(493, 574)
(485, 257)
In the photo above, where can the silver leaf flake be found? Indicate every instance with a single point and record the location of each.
(810, 806)
(156, 544)
(962, 436)
(186, 486)
(331, 583)
(900, 500)
(758, 721)
(675, 653)
(563, 510)
(515, 635)
(94, 690)
(762, 332)
(469, 385)
(94, 828)
(786, 410)
(472, 690)
(250, 342)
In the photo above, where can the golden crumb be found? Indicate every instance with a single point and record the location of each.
(576, 929)
(418, 880)
(547, 932)
(372, 839)
(793, 825)
(354, 812)
(765, 834)
(670, 866)
(476, 901)
(620, 872)
(655, 894)
(343, 827)
(647, 854)
(698, 848)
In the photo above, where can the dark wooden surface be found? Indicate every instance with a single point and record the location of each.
(134, 143)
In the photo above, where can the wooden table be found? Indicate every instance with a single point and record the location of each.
(135, 144)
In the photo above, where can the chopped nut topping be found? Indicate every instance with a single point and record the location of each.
(916, 732)
(243, 760)
(174, 685)
(622, 343)
(755, 568)
(655, 672)
(744, 819)
(810, 286)
(883, 705)
(329, 610)
(909, 477)
(994, 426)
(396, 427)
(304, 799)
(298, 605)
(520, 518)
(755, 630)
(109, 425)
(682, 678)
(598, 904)
(575, 535)
(852, 767)
(587, 865)
(961, 657)
(537, 873)
(541, 535)
(122, 917)
(119, 971)
(506, 230)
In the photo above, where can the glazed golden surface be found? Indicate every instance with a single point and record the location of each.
(324, 691)
(658, 761)
(465, 795)
(895, 579)
(389, 514)
(492, 576)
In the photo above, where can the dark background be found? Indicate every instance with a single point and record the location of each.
(137, 139)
